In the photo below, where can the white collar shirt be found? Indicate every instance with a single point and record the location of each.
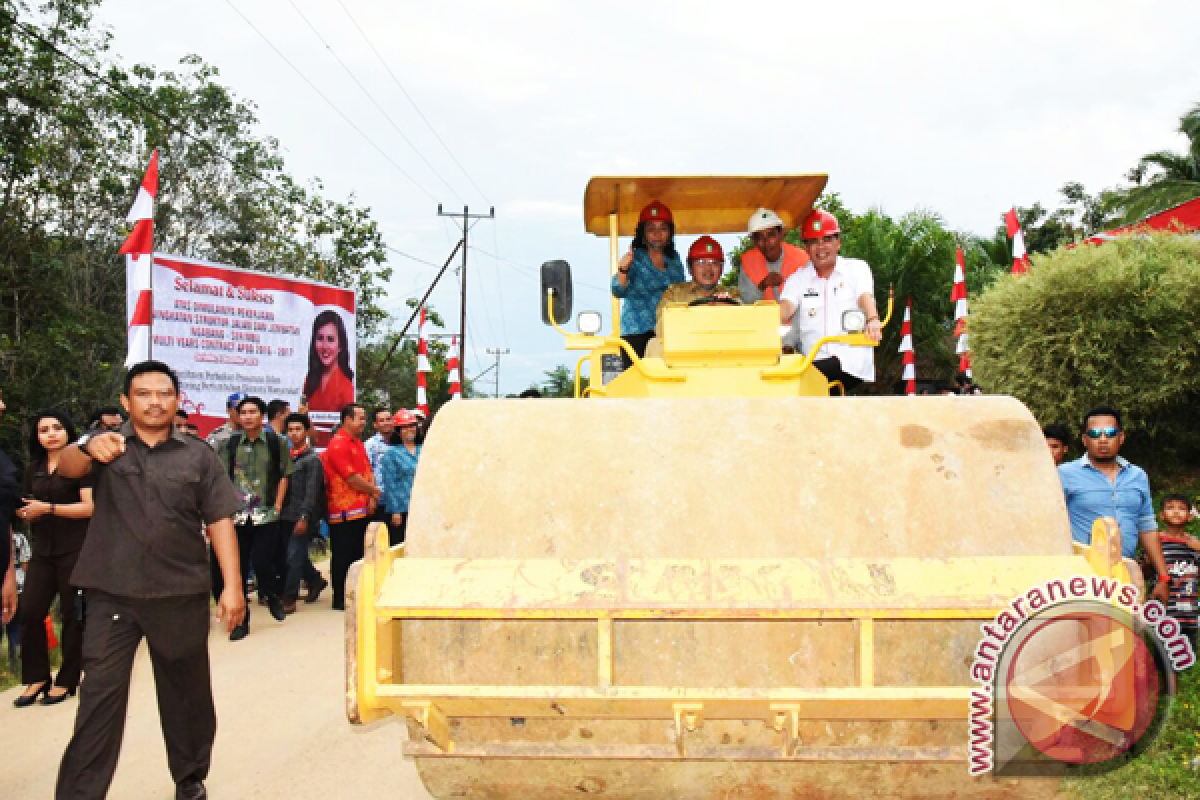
(819, 305)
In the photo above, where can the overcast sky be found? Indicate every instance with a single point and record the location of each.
(962, 108)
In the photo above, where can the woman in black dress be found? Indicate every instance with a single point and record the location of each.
(58, 510)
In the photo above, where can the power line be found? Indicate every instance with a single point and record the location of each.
(532, 272)
(33, 33)
(499, 284)
(329, 102)
(170, 124)
(371, 97)
(416, 108)
(487, 313)
(411, 257)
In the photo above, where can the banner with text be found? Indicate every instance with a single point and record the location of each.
(227, 330)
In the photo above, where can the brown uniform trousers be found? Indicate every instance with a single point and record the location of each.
(176, 630)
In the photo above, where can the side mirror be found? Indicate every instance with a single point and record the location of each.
(556, 278)
(854, 321)
(589, 322)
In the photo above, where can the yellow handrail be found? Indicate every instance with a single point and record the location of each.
(854, 339)
(652, 373)
(578, 369)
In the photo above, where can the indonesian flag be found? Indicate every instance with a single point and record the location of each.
(1020, 260)
(906, 349)
(958, 296)
(139, 262)
(422, 365)
(452, 370)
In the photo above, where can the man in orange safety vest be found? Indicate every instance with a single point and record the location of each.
(771, 261)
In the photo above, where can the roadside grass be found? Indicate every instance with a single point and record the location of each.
(1170, 767)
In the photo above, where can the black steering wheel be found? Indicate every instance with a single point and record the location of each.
(713, 300)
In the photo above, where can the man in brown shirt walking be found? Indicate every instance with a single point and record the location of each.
(144, 567)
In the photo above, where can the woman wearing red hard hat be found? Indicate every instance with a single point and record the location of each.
(706, 260)
(816, 295)
(644, 273)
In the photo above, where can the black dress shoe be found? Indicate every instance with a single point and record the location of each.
(315, 589)
(239, 632)
(190, 790)
(54, 699)
(276, 606)
(26, 700)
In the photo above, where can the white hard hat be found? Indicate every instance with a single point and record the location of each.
(764, 219)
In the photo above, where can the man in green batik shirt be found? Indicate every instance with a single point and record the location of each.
(259, 465)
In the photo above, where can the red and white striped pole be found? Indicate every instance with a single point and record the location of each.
(452, 370)
(906, 349)
(422, 366)
(139, 268)
(958, 296)
(1020, 259)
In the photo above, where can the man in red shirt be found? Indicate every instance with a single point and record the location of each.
(350, 497)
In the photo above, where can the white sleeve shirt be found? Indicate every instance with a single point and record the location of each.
(819, 305)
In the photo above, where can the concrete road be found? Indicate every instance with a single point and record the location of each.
(281, 728)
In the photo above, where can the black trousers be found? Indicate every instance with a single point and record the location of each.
(176, 630)
(346, 547)
(270, 557)
(831, 368)
(245, 541)
(396, 533)
(46, 577)
(638, 342)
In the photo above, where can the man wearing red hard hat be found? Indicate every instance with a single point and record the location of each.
(815, 297)
(706, 260)
(767, 265)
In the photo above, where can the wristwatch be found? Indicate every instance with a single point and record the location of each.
(82, 443)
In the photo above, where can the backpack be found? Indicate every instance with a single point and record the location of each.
(275, 446)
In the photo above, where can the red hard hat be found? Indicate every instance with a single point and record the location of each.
(403, 418)
(818, 225)
(656, 210)
(706, 247)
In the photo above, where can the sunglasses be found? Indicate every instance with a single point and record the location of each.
(1096, 433)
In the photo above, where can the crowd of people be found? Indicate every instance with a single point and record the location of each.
(120, 516)
(814, 286)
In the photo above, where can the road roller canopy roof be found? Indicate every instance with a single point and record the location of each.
(699, 203)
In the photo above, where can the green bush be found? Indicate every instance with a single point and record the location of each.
(1114, 324)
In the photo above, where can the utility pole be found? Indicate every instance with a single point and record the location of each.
(497, 352)
(466, 217)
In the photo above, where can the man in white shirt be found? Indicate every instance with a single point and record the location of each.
(814, 298)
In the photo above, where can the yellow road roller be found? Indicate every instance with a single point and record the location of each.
(705, 577)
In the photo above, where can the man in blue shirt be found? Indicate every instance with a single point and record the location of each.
(1103, 484)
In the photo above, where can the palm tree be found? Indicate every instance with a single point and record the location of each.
(1174, 178)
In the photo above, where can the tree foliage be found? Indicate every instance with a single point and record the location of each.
(1114, 324)
(392, 380)
(74, 142)
(560, 382)
(1166, 179)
